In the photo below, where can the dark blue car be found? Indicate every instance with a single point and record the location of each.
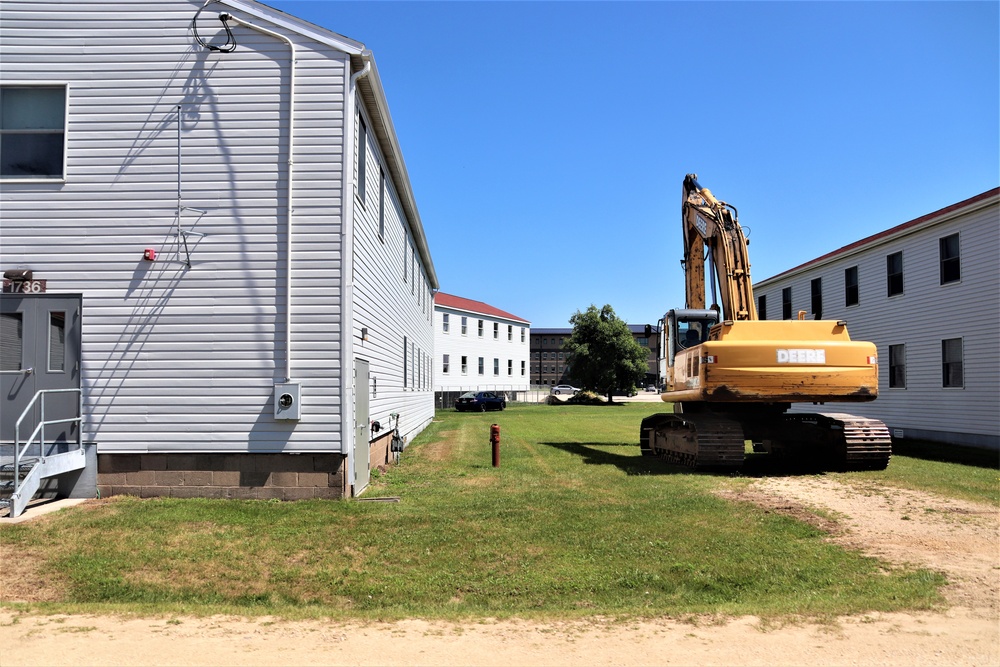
(480, 401)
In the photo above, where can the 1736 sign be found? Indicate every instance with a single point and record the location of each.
(23, 286)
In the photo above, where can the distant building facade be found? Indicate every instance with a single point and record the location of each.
(549, 365)
(477, 347)
(926, 293)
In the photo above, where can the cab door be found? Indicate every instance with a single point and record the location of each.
(39, 349)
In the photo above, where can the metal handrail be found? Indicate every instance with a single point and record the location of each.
(20, 451)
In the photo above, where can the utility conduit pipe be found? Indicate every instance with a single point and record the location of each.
(225, 16)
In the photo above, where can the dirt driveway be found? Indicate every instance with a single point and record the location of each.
(957, 538)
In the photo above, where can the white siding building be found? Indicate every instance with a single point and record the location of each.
(926, 293)
(478, 347)
(235, 225)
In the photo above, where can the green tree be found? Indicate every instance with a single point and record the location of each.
(603, 355)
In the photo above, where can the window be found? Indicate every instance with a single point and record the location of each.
(786, 303)
(445, 363)
(465, 365)
(851, 286)
(413, 271)
(11, 341)
(522, 368)
(951, 267)
(496, 366)
(32, 132)
(496, 331)
(510, 367)
(405, 348)
(894, 273)
(362, 157)
(510, 333)
(445, 324)
(480, 328)
(897, 366)
(465, 325)
(762, 307)
(57, 341)
(482, 366)
(642, 340)
(816, 297)
(522, 334)
(951, 363)
(406, 255)
(381, 205)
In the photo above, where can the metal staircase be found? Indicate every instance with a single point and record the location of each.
(36, 459)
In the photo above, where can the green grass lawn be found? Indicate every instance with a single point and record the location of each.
(574, 522)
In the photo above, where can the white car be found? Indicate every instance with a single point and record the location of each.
(564, 389)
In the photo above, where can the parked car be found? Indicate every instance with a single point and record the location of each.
(480, 401)
(564, 389)
(650, 388)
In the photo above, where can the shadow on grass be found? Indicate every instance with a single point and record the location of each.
(632, 463)
(942, 453)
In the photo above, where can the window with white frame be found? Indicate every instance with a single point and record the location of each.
(482, 365)
(32, 132)
(465, 365)
(951, 267)
(897, 366)
(496, 331)
(510, 333)
(445, 324)
(522, 334)
(465, 325)
(496, 366)
(952, 374)
(480, 328)
(445, 363)
(510, 367)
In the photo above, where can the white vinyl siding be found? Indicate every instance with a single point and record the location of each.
(920, 318)
(179, 358)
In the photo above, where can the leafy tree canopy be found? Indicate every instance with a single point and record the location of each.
(603, 355)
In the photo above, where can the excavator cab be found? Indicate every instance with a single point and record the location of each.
(687, 327)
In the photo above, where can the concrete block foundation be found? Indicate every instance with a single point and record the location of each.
(237, 476)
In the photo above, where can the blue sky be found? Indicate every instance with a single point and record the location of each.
(546, 142)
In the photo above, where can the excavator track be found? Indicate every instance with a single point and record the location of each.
(851, 442)
(700, 441)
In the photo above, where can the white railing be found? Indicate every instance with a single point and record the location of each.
(20, 451)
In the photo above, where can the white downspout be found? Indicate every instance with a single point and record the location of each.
(289, 183)
(347, 279)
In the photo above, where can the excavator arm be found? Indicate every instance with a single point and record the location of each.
(713, 223)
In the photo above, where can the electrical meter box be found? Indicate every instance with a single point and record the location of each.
(287, 400)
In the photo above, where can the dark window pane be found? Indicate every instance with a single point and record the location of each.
(897, 366)
(57, 341)
(11, 341)
(762, 307)
(816, 293)
(951, 263)
(786, 303)
(851, 286)
(31, 155)
(894, 273)
(951, 363)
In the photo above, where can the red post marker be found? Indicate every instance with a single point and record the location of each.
(495, 443)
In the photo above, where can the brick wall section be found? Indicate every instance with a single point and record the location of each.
(242, 476)
(380, 454)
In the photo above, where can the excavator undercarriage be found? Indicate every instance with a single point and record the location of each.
(716, 438)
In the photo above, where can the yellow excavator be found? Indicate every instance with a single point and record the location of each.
(733, 377)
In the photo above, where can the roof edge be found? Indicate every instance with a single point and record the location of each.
(942, 215)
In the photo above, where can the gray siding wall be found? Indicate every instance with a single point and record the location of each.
(178, 358)
(920, 318)
(392, 299)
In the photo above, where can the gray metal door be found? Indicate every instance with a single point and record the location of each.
(362, 447)
(39, 349)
